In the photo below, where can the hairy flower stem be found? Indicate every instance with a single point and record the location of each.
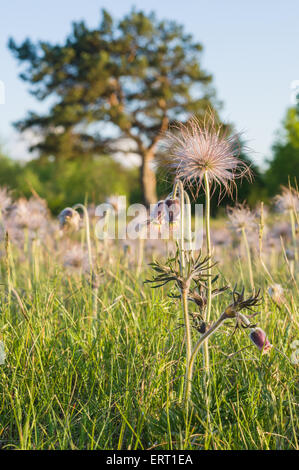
(248, 258)
(293, 225)
(87, 231)
(140, 254)
(88, 241)
(7, 263)
(202, 340)
(209, 254)
(182, 227)
(185, 288)
(185, 292)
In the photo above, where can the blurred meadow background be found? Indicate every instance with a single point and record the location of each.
(91, 357)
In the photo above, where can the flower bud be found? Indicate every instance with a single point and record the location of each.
(172, 209)
(259, 338)
(158, 215)
(69, 219)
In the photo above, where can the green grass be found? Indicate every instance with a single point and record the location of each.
(115, 383)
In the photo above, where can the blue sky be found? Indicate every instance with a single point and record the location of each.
(251, 48)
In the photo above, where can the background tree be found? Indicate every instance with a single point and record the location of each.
(284, 165)
(117, 86)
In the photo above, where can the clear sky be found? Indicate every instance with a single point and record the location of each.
(251, 48)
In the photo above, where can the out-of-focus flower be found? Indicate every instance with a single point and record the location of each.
(281, 229)
(290, 255)
(260, 340)
(5, 200)
(241, 217)
(76, 259)
(202, 148)
(287, 200)
(221, 237)
(258, 211)
(116, 202)
(271, 243)
(69, 219)
(32, 213)
(276, 292)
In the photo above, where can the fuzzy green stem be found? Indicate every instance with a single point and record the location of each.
(87, 231)
(182, 231)
(248, 258)
(189, 222)
(209, 254)
(293, 225)
(202, 340)
(185, 288)
(94, 302)
(185, 292)
(140, 254)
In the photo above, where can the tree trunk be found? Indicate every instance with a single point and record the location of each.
(148, 180)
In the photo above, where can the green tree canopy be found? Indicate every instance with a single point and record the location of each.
(123, 81)
(284, 166)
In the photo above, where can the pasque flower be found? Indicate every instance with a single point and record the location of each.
(69, 218)
(205, 148)
(287, 200)
(241, 217)
(166, 211)
(259, 338)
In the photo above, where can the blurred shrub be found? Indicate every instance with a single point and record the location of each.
(284, 165)
(68, 182)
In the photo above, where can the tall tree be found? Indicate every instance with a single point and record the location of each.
(284, 166)
(123, 82)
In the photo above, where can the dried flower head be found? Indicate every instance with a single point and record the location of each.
(32, 214)
(69, 219)
(76, 259)
(199, 294)
(287, 200)
(259, 338)
(281, 230)
(276, 293)
(241, 217)
(239, 302)
(206, 147)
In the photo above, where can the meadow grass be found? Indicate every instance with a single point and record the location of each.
(115, 382)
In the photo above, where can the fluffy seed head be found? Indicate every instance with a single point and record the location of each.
(287, 200)
(32, 213)
(76, 259)
(241, 217)
(276, 293)
(200, 148)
